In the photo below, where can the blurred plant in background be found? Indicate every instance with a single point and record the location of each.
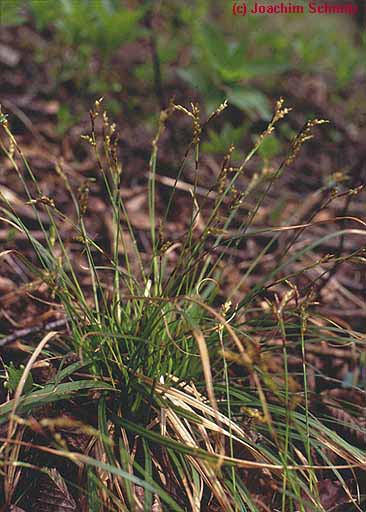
(242, 59)
(78, 32)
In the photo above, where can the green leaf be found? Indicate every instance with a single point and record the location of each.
(214, 45)
(14, 376)
(205, 84)
(43, 13)
(251, 101)
(148, 486)
(194, 78)
(250, 70)
(11, 13)
(49, 394)
(220, 141)
(269, 147)
(117, 27)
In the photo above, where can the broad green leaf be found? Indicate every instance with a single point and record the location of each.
(250, 101)
(214, 45)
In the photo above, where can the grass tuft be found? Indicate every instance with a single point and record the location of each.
(195, 396)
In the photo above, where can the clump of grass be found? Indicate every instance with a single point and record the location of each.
(195, 406)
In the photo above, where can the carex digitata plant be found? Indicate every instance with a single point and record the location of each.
(195, 407)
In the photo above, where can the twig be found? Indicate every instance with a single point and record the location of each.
(21, 333)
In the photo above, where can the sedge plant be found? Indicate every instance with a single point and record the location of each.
(194, 405)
